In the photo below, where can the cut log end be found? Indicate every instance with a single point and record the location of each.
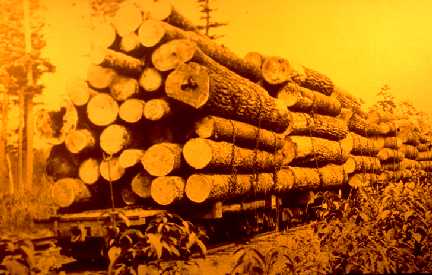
(190, 84)
(123, 88)
(111, 170)
(198, 153)
(172, 54)
(78, 140)
(166, 190)
(162, 159)
(205, 128)
(131, 110)
(141, 185)
(89, 171)
(128, 197)
(198, 188)
(127, 19)
(150, 80)
(349, 166)
(150, 33)
(103, 35)
(78, 92)
(254, 58)
(114, 138)
(102, 110)
(129, 43)
(156, 109)
(67, 191)
(99, 77)
(276, 70)
(130, 157)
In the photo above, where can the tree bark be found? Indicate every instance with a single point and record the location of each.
(409, 151)
(141, 185)
(80, 140)
(426, 155)
(167, 190)
(348, 101)
(123, 88)
(243, 134)
(365, 164)
(114, 138)
(157, 109)
(392, 176)
(223, 93)
(313, 150)
(409, 137)
(150, 80)
(121, 62)
(131, 110)
(162, 159)
(366, 146)
(426, 165)
(207, 154)
(391, 142)
(68, 191)
(424, 147)
(130, 157)
(304, 100)
(387, 154)
(88, 171)
(111, 170)
(200, 187)
(404, 164)
(363, 179)
(99, 77)
(318, 126)
(102, 110)
(360, 126)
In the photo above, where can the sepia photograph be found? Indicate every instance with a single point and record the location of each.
(165, 137)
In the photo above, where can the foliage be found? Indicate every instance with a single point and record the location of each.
(386, 101)
(207, 15)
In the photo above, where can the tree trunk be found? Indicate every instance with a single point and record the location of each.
(141, 185)
(111, 170)
(313, 150)
(3, 142)
(167, 190)
(88, 171)
(150, 80)
(114, 138)
(157, 109)
(61, 163)
(102, 110)
(162, 159)
(363, 179)
(202, 153)
(243, 134)
(123, 88)
(387, 154)
(366, 146)
(224, 93)
(131, 110)
(68, 191)
(426, 155)
(404, 164)
(304, 100)
(127, 19)
(409, 151)
(200, 188)
(360, 126)
(80, 140)
(130, 157)
(121, 62)
(365, 164)
(317, 125)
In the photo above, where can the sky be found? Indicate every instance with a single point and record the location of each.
(360, 44)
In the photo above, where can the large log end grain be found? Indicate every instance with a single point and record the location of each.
(123, 88)
(198, 153)
(67, 191)
(78, 91)
(162, 159)
(150, 33)
(78, 140)
(150, 80)
(114, 138)
(130, 157)
(131, 110)
(103, 35)
(141, 185)
(190, 84)
(130, 43)
(111, 170)
(99, 77)
(167, 190)
(276, 70)
(88, 171)
(349, 166)
(172, 54)
(156, 109)
(254, 58)
(127, 19)
(102, 110)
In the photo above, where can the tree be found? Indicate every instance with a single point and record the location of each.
(386, 101)
(209, 23)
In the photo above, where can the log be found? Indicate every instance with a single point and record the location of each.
(365, 164)
(111, 170)
(68, 191)
(318, 126)
(391, 142)
(223, 93)
(114, 138)
(426, 155)
(88, 171)
(150, 80)
(424, 138)
(156, 9)
(394, 176)
(127, 19)
(78, 92)
(150, 33)
(130, 157)
(157, 109)
(99, 77)
(121, 62)
(301, 99)
(314, 150)
(131, 110)
(162, 159)
(363, 180)
(178, 20)
(128, 196)
(360, 126)
(387, 154)
(254, 58)
(167, 190)
(366, 146)
(130, 44)
(102, 110)
(409, 137)
(103, 35)
(247, 135)
(424, 147)
(409, 151)
(348, 101)
(276, 70)
(220, 54)
(202, 153)
(206, 188)
(123, 88)
(426, 165)
(244, 206)
(141, 185)
(80, 140)
(404, 164)
(61, 163)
